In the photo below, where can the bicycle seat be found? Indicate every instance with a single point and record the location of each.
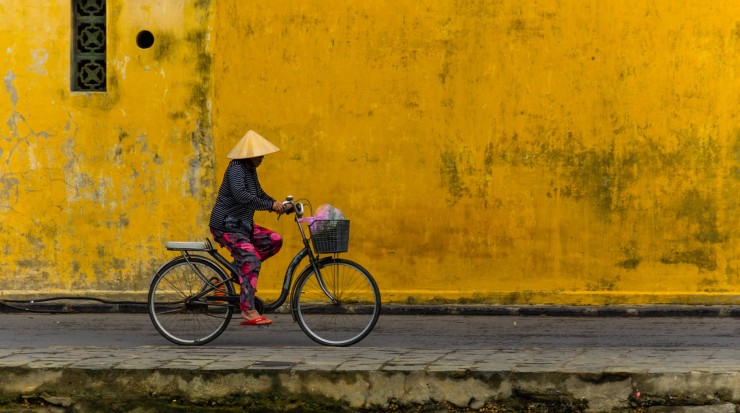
(189, 246)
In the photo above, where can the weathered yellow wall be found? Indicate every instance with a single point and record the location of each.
(548, 152)
(91, 185)
(508, 151)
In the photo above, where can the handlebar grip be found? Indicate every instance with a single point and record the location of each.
(296, 207)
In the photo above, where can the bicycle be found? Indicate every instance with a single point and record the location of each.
(335, 301)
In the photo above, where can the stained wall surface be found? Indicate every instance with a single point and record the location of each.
(486, 151)
(93, 184)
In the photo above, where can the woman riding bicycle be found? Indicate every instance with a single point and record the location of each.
(232, 219)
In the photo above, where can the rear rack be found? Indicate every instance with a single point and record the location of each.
(189, 245)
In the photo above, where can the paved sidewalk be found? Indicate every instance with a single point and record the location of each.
(166, 378)
(361, 379)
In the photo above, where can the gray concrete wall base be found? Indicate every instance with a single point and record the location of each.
(598, 393)
(90, 379)
(353, 389)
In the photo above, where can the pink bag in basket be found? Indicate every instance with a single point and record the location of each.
(323, 212)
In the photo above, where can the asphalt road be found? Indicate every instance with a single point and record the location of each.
(424, 332)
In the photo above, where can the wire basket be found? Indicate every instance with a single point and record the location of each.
(329, 236)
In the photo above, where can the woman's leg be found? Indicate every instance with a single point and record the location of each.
(248, 264)
(267, 243)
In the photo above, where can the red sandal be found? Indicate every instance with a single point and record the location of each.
(259, 321)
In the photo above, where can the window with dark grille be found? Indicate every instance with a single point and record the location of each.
(88, 46)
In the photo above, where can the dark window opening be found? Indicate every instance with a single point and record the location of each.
(89, 46)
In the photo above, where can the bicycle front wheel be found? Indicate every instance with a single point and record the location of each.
(345, 317)
(188, 301)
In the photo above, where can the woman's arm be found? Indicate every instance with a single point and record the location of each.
(246, 189)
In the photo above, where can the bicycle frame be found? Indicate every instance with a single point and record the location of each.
(289, 272)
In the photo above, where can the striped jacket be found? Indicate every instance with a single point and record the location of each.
(239, 196)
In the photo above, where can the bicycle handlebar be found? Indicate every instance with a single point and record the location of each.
(294, 207)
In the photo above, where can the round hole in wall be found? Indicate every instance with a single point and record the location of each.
(145, 39)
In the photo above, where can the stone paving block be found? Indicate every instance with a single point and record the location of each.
(138, 364)
(626, 369)
(161, 355)
(6, 352)
(452, 369)
(669, 369)
(369, 358)
(99, 363)
(326, 356)
(293, 353)
(282, 358)
(359, 366)
(366, 360)
(404, 358)
(225, 367)
(16, 360)
(726, 354)
(31, 351)
(185, 364)
(458, 359)
(49, 363)
(595, 367)
(493, 367)
(272, 365)
(381, 353)
(404, 367)
(209, 350)
(232, 363)
(450, 366)
(507, 358)
(681, 353)
(325, 366)
(601, 353)
(540, 363)
(81, 352)
(713, 365)
(655, 354)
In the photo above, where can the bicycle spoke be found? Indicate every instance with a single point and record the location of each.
(174, 286)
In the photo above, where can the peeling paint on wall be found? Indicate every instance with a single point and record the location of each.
(40, 56)
(9, 78)
(86, 174)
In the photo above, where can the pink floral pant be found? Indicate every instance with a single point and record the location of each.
(248, 253)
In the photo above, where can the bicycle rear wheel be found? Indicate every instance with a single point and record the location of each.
(187, 308)
(347, 319)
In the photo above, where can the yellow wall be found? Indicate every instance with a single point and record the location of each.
(579, 152)
(93, 184)
(549, 152)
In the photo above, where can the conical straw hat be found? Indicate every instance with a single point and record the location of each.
(252, 145)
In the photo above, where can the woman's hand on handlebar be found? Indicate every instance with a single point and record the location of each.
(277, 207)
(287, 207)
